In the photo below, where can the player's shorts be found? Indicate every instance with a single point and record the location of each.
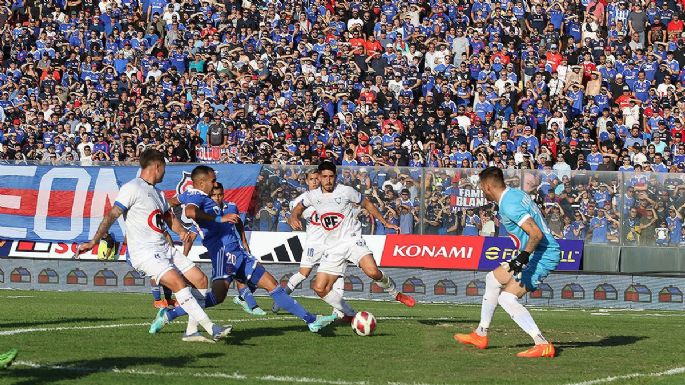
(312, 254)
(334, 260)
(539, 266)
(237, 264)
(155, 264)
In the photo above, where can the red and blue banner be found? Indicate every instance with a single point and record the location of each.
(66, 203)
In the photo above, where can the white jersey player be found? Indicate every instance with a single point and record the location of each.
(314, 243)
(335, 205)
(147, 216)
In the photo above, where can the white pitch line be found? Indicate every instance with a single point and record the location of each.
(670, 372)
(110, 326)
(166, 373)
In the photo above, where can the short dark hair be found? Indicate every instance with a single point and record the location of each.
(492, 175)
(200, 171)
(218, 186)
(327, 165)
(150, 156)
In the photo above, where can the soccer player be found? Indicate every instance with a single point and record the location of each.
(313, 247)
(539, 254)
(162, 296)
(147, 216)
(7, 358)
(343, 240)
(230, 258)
(244, 299)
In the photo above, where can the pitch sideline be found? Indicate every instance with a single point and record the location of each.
(670, 372)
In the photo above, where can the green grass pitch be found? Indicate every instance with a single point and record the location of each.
(102, 338)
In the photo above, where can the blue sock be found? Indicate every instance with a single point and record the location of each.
(179, 312)
(288, 304)
(167, 292)
(156, 293)
(246, 295)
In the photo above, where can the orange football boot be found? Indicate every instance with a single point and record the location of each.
(542, 350)
(481, 342)
(407, 300)
(162, 303)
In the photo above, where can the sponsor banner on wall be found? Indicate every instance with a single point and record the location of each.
(420, 251)
(432, 251)
(66, 204)
(499, 249)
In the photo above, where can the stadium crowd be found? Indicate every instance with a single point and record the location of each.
(557, 85)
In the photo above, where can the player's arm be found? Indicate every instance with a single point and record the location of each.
(534, 237)
(176, 226)
(103, 229)
(241, 229)
(194, 212)
(373, 210)
(173, 201)
(189, 243)
(294, 218)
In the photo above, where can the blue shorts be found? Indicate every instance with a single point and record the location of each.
(539, 266)
(236, 264)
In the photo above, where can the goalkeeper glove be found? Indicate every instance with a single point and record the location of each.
(515, 265)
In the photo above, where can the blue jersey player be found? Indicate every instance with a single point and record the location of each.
(538, 255)
(221, 235)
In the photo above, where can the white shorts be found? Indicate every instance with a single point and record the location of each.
(334, 260)
(311, 255)
(155, 264)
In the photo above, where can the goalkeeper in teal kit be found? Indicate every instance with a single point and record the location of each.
(539, 254)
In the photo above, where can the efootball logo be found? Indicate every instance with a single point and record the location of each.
(184, 184)
(331, 221)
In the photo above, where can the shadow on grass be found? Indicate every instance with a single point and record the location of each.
(66, 321)
(241, 336)
(77, 370)
(609, 341)
(435, 322)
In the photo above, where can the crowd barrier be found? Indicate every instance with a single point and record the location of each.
(47, 209)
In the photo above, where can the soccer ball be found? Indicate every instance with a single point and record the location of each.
(364, 323)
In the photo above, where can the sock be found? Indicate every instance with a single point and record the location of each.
(167, 292)
(339, 286)
(191, 328)
(334, 299)
(295, 280)
(387, 285)
(521, 316)
(285, 302)
(156, 293)
(187, 302)
(492, 291)
(178, 311)
(246, 295)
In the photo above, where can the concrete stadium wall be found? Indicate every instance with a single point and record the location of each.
(459, 287)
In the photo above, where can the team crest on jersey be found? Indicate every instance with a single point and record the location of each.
(331, 221)
(184, 184)
(217, 210)
(338, 200)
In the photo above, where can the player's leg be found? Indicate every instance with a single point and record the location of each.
(331, 268)
(156, 291)
(494, 282)
(171, 302)
(258, 276)
(508, 299)
(370, 268)
(173, 273)
(246, 300)
(310, 257)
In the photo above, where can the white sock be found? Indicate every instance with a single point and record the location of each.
(387, 285)
(336, 300)
(199, 294)
(192, 307)
(487, 309)
(521, 316)
(295, 280)
(339, 286)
